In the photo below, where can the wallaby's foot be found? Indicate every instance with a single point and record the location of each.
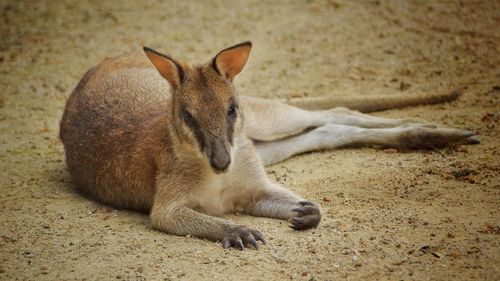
(241, 236)
(418, 136)
(308, 216)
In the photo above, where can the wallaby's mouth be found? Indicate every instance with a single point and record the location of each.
(219, 170)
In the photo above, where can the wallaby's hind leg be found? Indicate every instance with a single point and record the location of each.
(333, 136)
(268, 120)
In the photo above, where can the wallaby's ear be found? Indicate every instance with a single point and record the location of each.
(168, 67)
(229, 62)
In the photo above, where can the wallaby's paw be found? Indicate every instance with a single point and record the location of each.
(418, 136)
(241, 236)
(308, 216)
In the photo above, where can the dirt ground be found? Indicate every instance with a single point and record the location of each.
(388, 214)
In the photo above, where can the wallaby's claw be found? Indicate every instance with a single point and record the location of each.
(308, 216)
(258, 236)
(473, 139)
(241, 236)
(254, 243)
(239, 244)
(469, 137)
(226, 243)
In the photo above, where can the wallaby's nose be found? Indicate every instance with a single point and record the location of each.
(220, 159)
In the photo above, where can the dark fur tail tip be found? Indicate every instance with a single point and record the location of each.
(457, 93)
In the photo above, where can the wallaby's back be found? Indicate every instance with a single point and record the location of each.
(111, 120)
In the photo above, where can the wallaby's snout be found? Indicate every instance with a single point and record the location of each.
(220, 156)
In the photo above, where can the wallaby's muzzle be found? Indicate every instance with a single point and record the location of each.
(220, 157)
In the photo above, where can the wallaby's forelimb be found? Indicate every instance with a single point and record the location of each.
(182, 220)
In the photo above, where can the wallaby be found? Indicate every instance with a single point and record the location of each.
(148, 133)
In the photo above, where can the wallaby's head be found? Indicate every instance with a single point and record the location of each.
(206, 113)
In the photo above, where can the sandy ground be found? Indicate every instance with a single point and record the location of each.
(387, 214)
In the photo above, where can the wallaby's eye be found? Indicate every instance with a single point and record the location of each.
(232, 110)
(187, 116)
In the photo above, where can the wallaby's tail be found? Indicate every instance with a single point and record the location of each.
(371, 104)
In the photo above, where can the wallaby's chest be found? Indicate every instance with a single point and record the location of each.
(208, 196)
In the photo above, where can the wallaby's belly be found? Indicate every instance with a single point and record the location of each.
(106, 127)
